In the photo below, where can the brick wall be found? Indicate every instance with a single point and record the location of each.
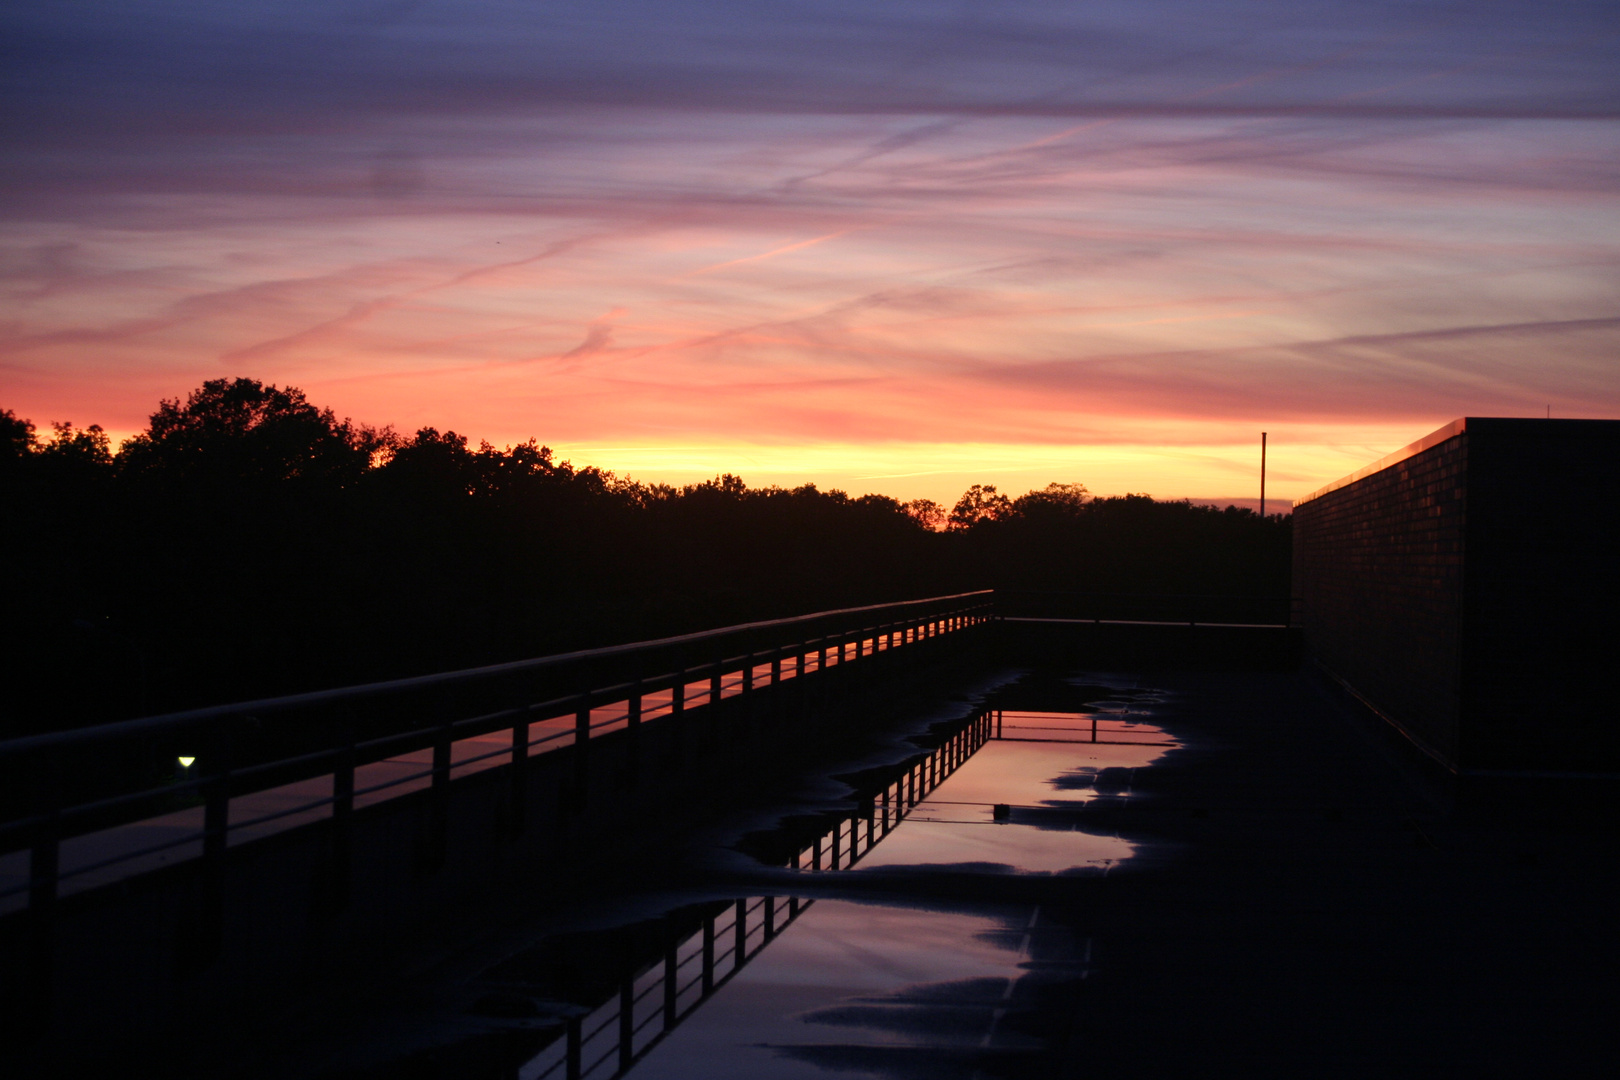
(1378, 566)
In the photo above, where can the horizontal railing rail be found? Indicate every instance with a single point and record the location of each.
(417, 683)
(1198, 609)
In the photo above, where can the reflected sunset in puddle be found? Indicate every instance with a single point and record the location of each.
(1039, 761)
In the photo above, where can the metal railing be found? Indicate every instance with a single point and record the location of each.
(260, 766)
(662, 993)
(664, 990)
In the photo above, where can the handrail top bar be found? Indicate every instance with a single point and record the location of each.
(141, 725)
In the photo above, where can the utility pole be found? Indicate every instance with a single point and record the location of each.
(1262, 476)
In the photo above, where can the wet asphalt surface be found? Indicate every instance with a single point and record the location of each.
(1301, 899)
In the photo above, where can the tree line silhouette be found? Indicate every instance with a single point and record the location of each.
(249, 543)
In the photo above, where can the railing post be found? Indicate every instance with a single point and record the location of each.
(708, 956)
(742, 934)
(217, 796)
(672, 986)
(717, 687)
(801, 692)
(342, 853)
(437, 840)
(200, 941)
(627, 1023)
(677, 712)
(574, 1047)
(582, 745)
(632, 723)
(518, 790)
(37, 1006)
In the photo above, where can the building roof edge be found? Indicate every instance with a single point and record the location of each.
(1433, 438)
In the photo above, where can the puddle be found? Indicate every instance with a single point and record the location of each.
(831, 981)
(872, 989)
(847, 980)
(1036, 770)
(845, 987)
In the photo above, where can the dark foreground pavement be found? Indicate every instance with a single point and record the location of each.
(1318, 907)
(1306, 901)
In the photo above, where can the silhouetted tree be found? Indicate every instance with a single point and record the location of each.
(235, 432)
(1056, 499)
(927, 513)
(17, 437)
(979, 503)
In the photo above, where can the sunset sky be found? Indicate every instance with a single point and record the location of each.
(885, 245)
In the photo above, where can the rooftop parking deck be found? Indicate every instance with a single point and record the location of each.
(1242, 875)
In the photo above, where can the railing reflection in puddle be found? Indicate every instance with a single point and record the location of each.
(842, 846)
(611, 1038)
(852, 837)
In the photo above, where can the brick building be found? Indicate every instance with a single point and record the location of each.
(1468, 588)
